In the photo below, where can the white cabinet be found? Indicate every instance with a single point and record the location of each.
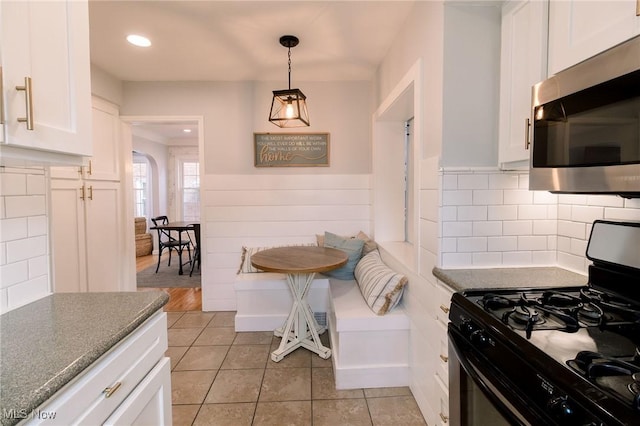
(46, 86)
(130, 384)
(579, 29)
(87, 214)
(86, 235)
(522, 64)
(437, 367)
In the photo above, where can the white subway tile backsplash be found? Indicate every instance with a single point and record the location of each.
(517, 227)
(545, 227)
(457, 198)
(27, 248)
(473, 181)
(28, 291)
(605, 201)
(449, 182)
(572, 229)
(472, 244)
(488, 197)
(521, 227)
(622, 214)
(37, 225)
(518, 196)
(586, 214)
(532, 212)
(486, 229)
(517, 258)
(36, 185)
(24, 229)
(457, 229)
(12, 184)
(457, 260)
(487, 259)
(543, 197)
(502, 243)
(449, 214)
(26, 205)
(472, 213)
(503, 181)
(502, 212)
(13, 273)
(13, 229)
(38, 266)
(530, 242)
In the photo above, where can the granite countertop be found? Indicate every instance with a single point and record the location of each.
(45, 344)
(469, 279)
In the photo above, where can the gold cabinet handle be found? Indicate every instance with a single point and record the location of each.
(111, 390)
(28, 103)
(91, 192)
(90, 171)
(444, 358)
(444, 418)
(82, 193)
(444, 309)
(527, 127)
(637, 7)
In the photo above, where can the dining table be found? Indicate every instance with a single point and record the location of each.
(300, 264)
(179, 227)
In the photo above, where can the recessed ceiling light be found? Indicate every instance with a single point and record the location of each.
(138, 40)
(187, 130)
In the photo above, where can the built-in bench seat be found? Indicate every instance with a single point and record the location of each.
(368, 350)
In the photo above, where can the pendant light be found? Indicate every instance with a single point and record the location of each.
(289, 106)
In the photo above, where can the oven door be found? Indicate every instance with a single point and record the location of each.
(478, 393)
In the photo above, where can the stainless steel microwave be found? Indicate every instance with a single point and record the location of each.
(586, 126)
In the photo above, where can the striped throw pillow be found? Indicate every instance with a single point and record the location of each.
(380, 286)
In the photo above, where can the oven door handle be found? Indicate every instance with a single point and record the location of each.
(468, 367)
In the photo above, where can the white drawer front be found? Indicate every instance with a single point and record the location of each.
(85, 400)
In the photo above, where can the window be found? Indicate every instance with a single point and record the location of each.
(141, 179)
(190, 190)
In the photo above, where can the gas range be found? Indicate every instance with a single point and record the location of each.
(572, 353)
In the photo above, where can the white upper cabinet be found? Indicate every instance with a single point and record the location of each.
(579, 29)
(46, 89)
(522, 64)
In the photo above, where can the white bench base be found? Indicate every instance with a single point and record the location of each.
(369, 351)
(264, 300)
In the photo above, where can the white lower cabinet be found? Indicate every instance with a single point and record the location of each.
(130, 384)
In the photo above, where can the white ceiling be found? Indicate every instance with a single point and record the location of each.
(238, 41)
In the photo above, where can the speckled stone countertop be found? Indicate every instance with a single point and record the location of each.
(469, 279)
(45, 344)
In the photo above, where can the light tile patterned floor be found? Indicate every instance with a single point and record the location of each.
(220, 377)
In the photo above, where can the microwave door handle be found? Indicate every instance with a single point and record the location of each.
(479, 381)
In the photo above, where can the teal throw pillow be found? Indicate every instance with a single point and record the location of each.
(351, 246)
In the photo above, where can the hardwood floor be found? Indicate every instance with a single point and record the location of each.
(180, 299)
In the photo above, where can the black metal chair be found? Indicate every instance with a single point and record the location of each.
(196, 250)
(166, 241)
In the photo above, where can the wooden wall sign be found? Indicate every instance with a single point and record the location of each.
(291, 149)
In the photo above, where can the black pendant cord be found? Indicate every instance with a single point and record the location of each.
(289, 54)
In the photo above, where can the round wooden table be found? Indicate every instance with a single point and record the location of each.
(300, 263)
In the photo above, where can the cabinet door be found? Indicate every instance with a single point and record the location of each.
(104, 164)
(579, 29)
(523, 64)
(150, 402)
(67, 236)
(48, 42)
(103, 207)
